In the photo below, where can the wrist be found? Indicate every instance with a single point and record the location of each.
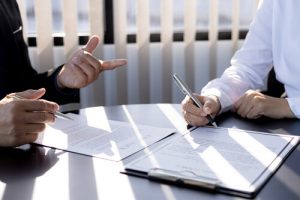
(58, 82)
(278, 108)
(286, 109)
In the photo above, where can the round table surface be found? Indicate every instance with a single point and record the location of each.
(36, 172)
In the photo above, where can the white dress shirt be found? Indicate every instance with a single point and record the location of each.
(273, 40)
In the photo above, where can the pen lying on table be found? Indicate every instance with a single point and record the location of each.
(56, 114)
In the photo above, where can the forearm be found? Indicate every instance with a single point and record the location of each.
(254, 104)
(278, 108)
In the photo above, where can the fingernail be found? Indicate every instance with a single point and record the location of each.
(36, 91)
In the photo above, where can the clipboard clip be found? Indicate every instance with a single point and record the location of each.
(185, 178)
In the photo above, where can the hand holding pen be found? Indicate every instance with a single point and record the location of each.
(56, 113)
(22, 119)
(196, 113)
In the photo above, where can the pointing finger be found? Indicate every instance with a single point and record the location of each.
(112, 64)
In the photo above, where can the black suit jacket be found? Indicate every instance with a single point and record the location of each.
(16, 71)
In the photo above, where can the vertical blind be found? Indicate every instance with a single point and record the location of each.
(166, 10)
(98, 92)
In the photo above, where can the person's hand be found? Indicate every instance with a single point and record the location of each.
(196, 116)
(254, 104)
(83, 68)
(22, 119)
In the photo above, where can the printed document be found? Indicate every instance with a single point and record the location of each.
(234, 158)
(112, 140)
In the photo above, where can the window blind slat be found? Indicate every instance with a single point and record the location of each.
(94, 94)
(96, 14)
(166, 40)
(190, 19)
(70, 27)
(44, 34)
(120, 36)
(235, 24)
(97, 27)
(213, 37)
(143, 39)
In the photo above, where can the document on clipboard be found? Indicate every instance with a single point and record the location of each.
(225, 160)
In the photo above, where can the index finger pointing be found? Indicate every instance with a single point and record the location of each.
(112, 64)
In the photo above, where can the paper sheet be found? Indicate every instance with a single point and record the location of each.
(234, 158)
(114, 140)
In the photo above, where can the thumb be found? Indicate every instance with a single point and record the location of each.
(32, 94)
(208, 107)
(92, 44)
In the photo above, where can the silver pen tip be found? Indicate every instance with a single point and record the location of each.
(215, 124)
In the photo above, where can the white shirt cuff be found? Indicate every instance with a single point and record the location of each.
(294, 104)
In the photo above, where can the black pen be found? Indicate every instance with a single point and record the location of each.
(186, 90)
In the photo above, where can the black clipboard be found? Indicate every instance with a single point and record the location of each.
(190, 179)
